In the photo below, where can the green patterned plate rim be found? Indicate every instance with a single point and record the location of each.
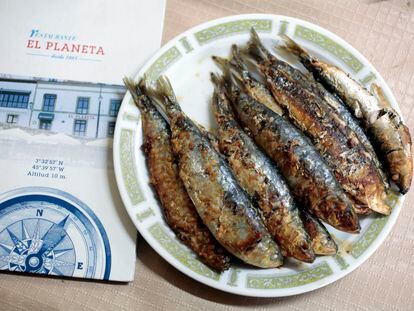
(189, 54)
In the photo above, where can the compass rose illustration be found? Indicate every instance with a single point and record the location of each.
(39, 254)
(48, 231)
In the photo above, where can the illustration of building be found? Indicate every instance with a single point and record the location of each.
(75, 108)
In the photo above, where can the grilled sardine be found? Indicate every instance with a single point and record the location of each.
(179, 211)
(390, 136)
(259, 177)
(309, 178)
(352, 165)
(222, 204)
(347, 123)
(350, 126)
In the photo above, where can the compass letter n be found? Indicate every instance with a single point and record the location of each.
(39, 212)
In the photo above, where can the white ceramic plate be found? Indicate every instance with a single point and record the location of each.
(186, 60)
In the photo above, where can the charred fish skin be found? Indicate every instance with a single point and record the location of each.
(179, 211)
(322, 242)
(312, 183)
(390, 136)
(260, 92)
(353, 169)
(351, 125)
(346, 122)
(341, 149)
(258, 176)
(220, 201)
(253, 115)
(210, 136)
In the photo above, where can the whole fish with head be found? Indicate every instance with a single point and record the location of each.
(311, 182)
(222, 204)
(390, 136)
(352, 165)
(259, 177)
(180, 213)
(345, 121)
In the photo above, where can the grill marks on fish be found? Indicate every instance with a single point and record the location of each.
(179, 211)
(259, 177)
(311, 182)
(390, 137)
(220, 201)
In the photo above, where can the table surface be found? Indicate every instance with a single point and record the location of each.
(384, 32)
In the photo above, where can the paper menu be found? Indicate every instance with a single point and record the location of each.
(60, 211)
(99, 41)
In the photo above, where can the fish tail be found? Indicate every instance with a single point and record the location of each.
(229, 77)
(164, 95)
(135, 90)
(222, 85)
(230, 72)
(220, 94)
(217, 81)
(255, 48)
(233, 68)
(164, 87)
(294, 48)
(220, 89)
(239, 65)
(224, 65)
(238, 61)
(143, 84)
